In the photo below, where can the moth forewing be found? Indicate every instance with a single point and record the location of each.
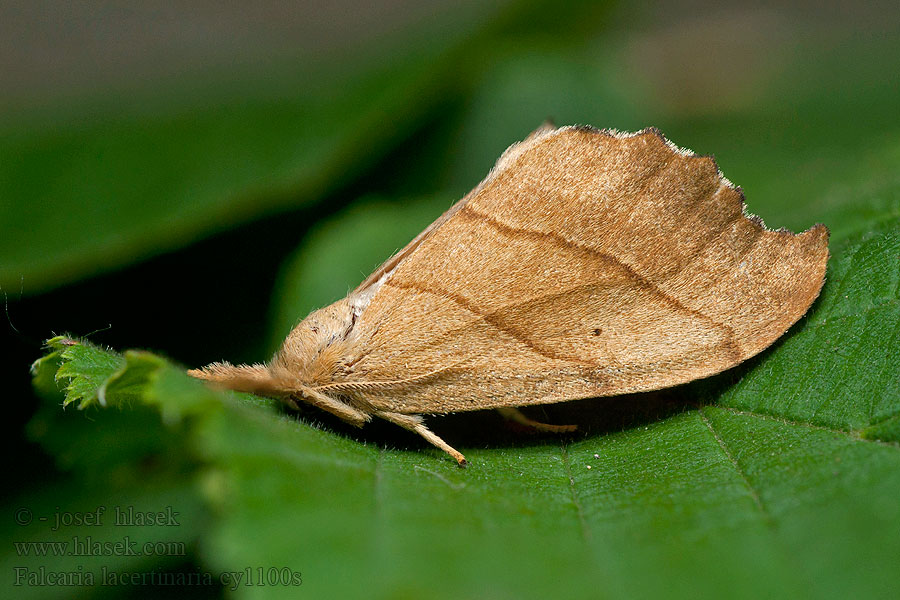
(587, 263)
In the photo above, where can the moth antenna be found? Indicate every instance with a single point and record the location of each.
(255, 379)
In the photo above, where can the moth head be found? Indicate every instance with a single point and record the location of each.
(309, 356)
(313, 348)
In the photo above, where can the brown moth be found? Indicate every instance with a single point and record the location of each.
(587, 263)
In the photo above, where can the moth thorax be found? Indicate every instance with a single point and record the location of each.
(315, 339)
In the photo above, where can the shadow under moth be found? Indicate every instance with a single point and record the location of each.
(587, 263)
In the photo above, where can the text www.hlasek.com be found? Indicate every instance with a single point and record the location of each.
(87, 546)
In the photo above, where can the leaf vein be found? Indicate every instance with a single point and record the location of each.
(883, 418)
(852, 434)
(754, 494)
(585, 532)
(861, 313)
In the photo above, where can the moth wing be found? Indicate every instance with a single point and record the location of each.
(502, 163)
(587, 263)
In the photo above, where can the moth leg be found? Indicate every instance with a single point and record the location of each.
(341, 410)
(515, 415)
(414, 424)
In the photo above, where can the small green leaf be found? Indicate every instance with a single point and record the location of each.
(84, 370)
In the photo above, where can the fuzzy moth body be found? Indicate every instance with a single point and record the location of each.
(588, 263)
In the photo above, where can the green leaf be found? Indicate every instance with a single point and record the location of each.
(84, 369)
(777, 479)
